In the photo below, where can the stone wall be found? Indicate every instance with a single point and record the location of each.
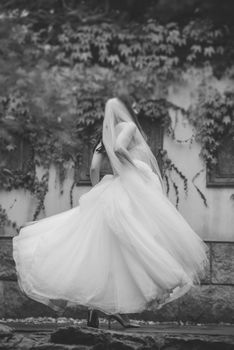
(212, 301)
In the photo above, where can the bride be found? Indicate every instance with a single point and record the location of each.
(125, 248)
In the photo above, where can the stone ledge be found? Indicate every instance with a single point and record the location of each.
(7, 265)
(222, 263)
(220, 271)
(213, 301)
(208, 304)
(203, 304)
(139, 339)
(14, 304)
(147, 338)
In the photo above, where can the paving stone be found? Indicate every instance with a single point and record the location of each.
(205, 303)
(155, 336)
(99, 339)
(5, 331)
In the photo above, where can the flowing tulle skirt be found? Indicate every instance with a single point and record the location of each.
(124, 249)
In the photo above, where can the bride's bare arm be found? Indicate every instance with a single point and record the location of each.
(95, 166)
(123, 140)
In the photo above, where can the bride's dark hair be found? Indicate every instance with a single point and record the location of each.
(128, 101)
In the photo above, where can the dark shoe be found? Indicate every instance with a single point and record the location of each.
(93, 320)
(122, 321)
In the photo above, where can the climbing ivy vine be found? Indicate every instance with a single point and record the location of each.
(55, 81)
(213, 118)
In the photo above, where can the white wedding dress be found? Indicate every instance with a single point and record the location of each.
(124, 249)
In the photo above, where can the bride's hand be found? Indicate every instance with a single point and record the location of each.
(123, 155)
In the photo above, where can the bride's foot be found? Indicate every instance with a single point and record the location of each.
(124, 321)
(93, 320)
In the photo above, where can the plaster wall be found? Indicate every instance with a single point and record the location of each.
(216, 222)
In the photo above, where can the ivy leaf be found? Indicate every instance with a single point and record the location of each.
(173, 37)
(220, 50)
(209, 51)
(214, 161)
(125, 50)
(136, 47)
(113, 59)
(206, 154)
(139, 64)
(63, 38)
(156, 38)
(85, 56)
(220, 129)
(10, 147)
(227, 119)
(170, 49)
(217, 33)
(209, 122)
(191, 57)
(196, 48)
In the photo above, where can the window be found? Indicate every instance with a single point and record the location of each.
(20, 158)
(222, 174)
(152, 128)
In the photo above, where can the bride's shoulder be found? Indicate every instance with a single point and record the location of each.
(121, 125)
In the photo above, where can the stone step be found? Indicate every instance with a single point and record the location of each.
(153, 336)
(172, 328)
(139, 339)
